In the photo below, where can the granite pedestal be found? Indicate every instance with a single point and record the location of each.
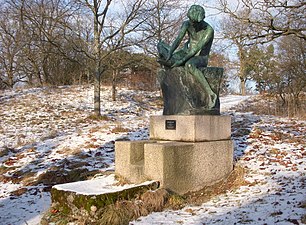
(184, 153)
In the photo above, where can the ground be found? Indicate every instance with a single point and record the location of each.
(48, 136)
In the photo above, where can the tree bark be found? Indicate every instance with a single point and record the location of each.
(242, 87)
(114, 91)
(97, 75)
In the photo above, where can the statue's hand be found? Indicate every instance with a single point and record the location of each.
(177, 63)
(168, 57)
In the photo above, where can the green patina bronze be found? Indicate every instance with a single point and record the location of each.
(193, 57)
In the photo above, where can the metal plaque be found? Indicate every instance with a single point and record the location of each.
(170, 124)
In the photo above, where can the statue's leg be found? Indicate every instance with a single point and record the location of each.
(192, 66)
(163, 49)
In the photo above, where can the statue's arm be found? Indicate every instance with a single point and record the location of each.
(178, 39)
(202, 42)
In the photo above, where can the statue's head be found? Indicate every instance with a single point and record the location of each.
(196, 13)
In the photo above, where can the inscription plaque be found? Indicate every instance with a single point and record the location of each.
(170, 124)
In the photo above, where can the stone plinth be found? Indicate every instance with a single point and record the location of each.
(192, 128)
(184, 153)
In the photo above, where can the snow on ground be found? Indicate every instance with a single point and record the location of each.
(46, 134)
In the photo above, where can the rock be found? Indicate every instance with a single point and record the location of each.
(72, 201)
(183, 95)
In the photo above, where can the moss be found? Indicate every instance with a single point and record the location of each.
(87, 201)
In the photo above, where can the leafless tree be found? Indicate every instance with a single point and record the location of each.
(109, 24)
(10, 49)
(268, 20)
(165, 18)
(235, 32)
(292, 59)
(39, 30)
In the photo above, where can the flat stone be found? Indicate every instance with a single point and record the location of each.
(192, 128)
(85, 197)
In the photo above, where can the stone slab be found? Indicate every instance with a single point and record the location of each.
(183, 167)
(192, 128)
(85, 198)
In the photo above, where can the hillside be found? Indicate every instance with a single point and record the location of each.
(48, 136)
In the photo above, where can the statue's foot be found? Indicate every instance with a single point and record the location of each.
(164, 63)
(212, 100)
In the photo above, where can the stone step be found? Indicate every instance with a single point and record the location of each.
(84, 198)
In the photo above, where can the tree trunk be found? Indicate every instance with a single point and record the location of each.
(97, 75)
(97, 104)
(114, 91)
(242, 75)
(242, 87)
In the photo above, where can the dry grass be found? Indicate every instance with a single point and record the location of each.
(119, 213)
(5, 151)
(175, 201)
(272, 105)
(155, 201)
(303, 219)
(99, 118)
(119, 129)
(69, 151)
(121, 180)
(60, 176)
(122, 212)
(52, 134)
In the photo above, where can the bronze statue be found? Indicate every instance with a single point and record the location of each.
(193, 57)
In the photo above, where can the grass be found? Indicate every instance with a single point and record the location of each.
(272, 105)
(98, 117)
(119, 129)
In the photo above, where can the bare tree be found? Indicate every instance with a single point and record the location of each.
(106, 28)
(38, 32)
(10, 48)
(292, 59)
(116, 63)
(163, 22)
(236, 32)
(268, 20)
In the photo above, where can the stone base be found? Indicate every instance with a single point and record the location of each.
(191, 128)
(183, 94)
(179, 166)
